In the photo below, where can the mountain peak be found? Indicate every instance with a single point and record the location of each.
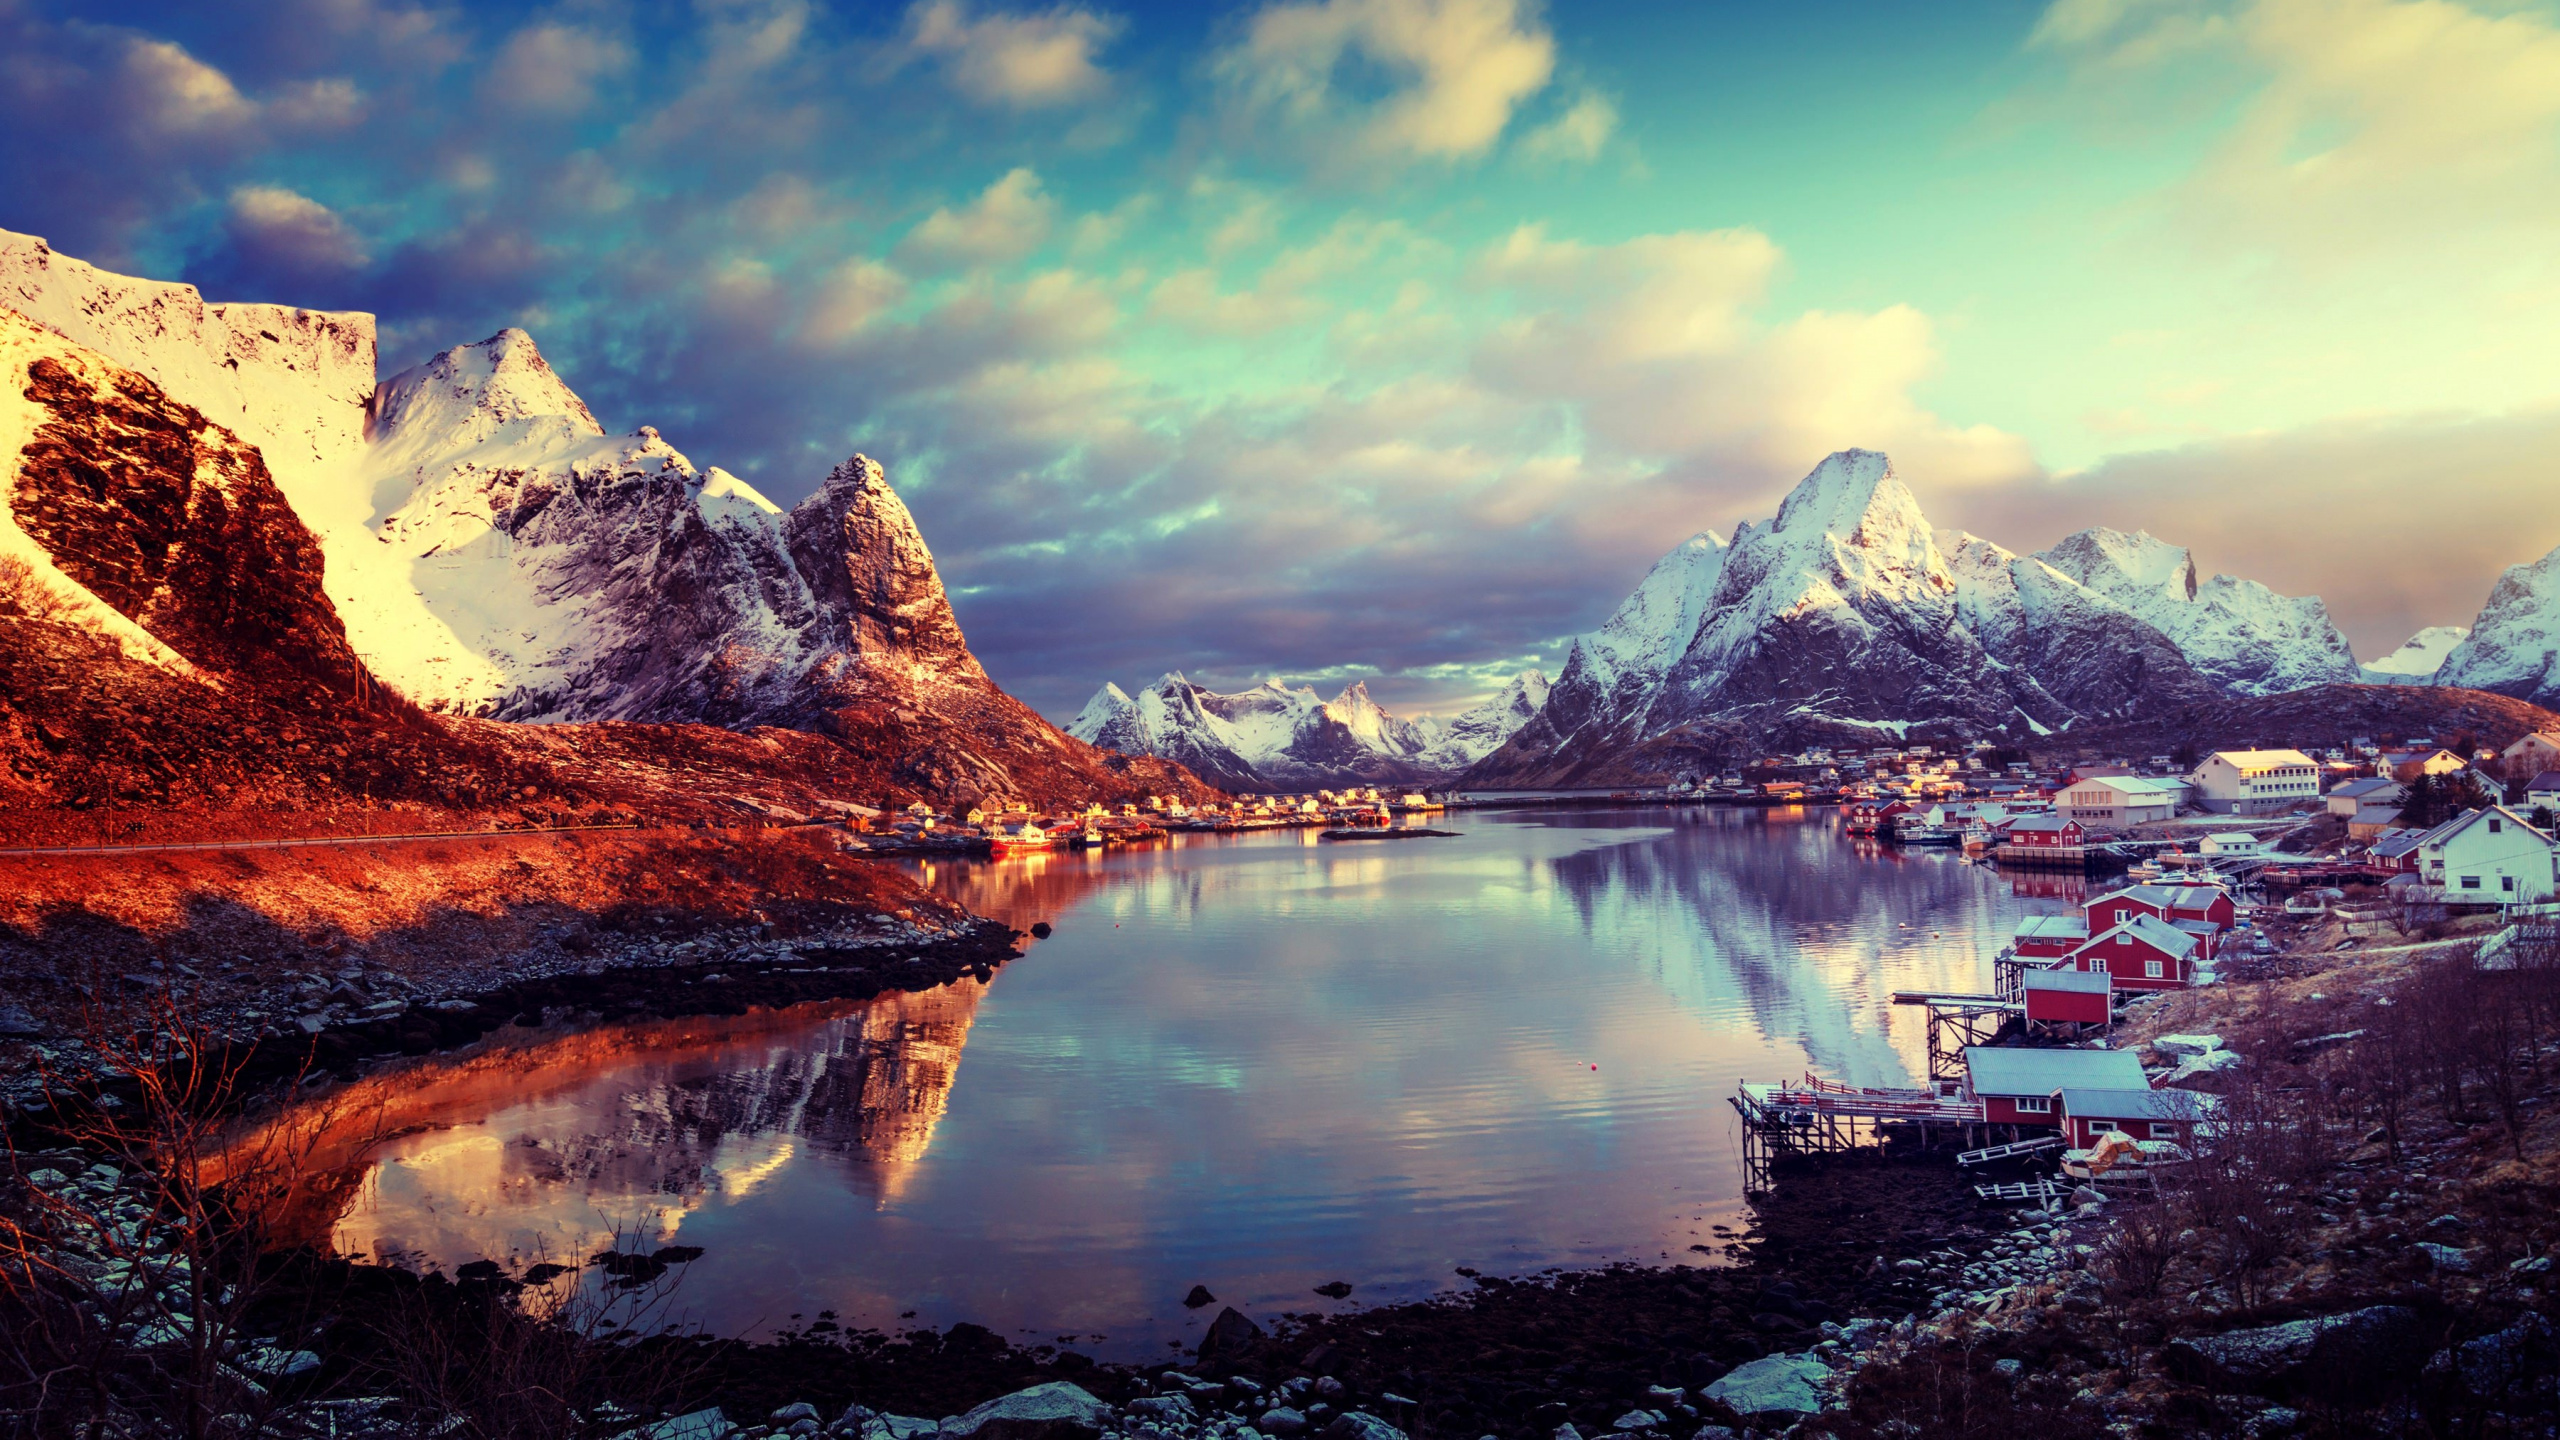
(867, 563)
(2138, 561)
(468, 392)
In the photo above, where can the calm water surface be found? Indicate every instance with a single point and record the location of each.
(1258, 1063)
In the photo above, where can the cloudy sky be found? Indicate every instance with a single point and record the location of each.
(1395, 338)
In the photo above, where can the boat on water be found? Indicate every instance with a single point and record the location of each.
(1088, 839)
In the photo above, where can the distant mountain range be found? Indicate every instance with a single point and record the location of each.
(1849, 615)
(1271, 737)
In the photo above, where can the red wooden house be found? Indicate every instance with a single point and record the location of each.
(2073, 997)
(2021, 1087)
(2045, 830)
(1866, 817)
(2210, 904)
(2143, 953)
(2144, 1114)
(2049, 936)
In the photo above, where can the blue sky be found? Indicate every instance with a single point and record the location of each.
(1394, 338)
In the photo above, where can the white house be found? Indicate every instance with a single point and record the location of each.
(2492, 854)
(2231, 842)
(2532, 755)
(2123, 799)
(2255, 782)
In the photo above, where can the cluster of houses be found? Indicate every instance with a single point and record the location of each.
(1013, 827)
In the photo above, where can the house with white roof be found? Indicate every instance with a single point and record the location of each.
(2255, 782)
(2123, 799)
(2493, 854)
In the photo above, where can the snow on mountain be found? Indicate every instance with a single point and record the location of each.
(2238, 633)
(2090, 655)
(2418, 658)
(1842, 607)
(2514, 645)
(1847, 610)
(491, 549)
(292, 382)
(1471, 735)
(1272, 736)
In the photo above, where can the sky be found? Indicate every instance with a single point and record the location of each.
(1394, 339)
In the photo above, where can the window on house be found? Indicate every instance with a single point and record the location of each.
(2151, 969)
(2496, 826)
(2507, 883)
(2101, 1127)
(2164, 1130)
(2470, 882)
(2035, 1104)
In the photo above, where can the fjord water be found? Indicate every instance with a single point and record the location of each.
(1256, 1062)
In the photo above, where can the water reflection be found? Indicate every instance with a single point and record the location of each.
(1256, 1062)
(550, 1147)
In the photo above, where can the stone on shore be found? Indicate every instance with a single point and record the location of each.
(1361, 1425)
(1773, 1385)
(1059, 1410)
(1230, 1335)
(2335, 1353)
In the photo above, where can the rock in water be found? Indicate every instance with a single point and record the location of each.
(1058, 1410)
(1230, 1335)
(1335, 1289)
(1773, 1385)
(1198, 1297)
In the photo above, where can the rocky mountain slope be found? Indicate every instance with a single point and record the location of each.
(1272, 737)
(491, 550)
(2514, 647)
(2418, 658)
(2241, 635)
(1846, 616)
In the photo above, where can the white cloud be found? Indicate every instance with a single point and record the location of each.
(553, 68)
(849, 298)
(1020, 61)
(172, 93)
(2368, 128)
(1576, 135)
(281, 231)
(1456, 70)
(1007, 222)
(1658, 343)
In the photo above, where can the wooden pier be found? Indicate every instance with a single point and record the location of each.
(1956, 1021)
(1823, 1117)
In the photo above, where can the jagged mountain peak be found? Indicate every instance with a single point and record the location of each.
(2514, 645)
(2111, 559)
(865, 561)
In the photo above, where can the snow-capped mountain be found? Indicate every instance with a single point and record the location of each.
(1847, 610)
(2418, 658)
(493, 550)
(1274, 737)
(2514, 646)
(2240, 634)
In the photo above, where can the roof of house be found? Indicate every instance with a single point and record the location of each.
(2232, 837)
(2151, 930)
(2072, 927)
(2093, 1103)
(2469, 818)
(2002, 1070)
(2548, 780)
(2164, 897)
(2392, 844)
(2359, 789)
(2260, 759)
(2085, 982)
(2156, 785)
(2040, 821)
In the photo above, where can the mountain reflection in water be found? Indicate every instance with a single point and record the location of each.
(1255, 1062)
(505, 1155)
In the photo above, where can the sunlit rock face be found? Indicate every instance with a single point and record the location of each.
(493, 549)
